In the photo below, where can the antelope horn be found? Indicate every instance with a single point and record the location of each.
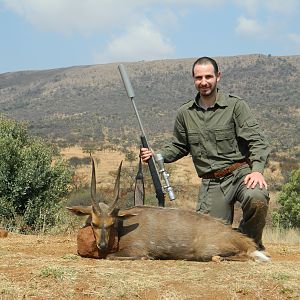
(93, 188)
(116, 189)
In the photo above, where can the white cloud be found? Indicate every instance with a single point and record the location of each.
(211, 3)
(94, 16)
(86, 16)
(249, 27)
(283, 7)
(166, 19)
(142, 42)
(253, 28)
(267, 19)
(252, 7)
(69, 16)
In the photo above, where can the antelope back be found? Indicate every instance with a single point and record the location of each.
(167, 233)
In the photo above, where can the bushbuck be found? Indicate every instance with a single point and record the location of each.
(145, 232)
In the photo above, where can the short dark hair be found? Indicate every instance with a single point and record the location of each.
(205, 60)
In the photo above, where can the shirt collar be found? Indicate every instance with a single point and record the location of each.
(220, 101)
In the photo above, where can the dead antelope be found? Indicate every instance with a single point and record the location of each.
(146, 232)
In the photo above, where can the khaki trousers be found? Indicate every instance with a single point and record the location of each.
(218, 196)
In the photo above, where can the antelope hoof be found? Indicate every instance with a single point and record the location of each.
(216, 258)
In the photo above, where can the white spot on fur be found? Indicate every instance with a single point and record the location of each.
(260, 256)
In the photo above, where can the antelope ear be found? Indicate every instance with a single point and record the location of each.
(81, 210)
(123, 214)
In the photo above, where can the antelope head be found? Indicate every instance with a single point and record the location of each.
(103, 217)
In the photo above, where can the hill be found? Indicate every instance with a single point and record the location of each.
(86, 104)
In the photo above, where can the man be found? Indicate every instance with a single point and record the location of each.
(228, 150)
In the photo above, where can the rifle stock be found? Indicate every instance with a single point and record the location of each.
(160, 195)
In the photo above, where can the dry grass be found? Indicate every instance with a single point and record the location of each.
(105, 163)
(31, 269)
(182, 171)
(285, 236)
(108, 161)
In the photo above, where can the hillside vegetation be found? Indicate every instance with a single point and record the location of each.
(87, 106)
(84, 104)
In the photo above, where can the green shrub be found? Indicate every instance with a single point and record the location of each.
(32, 180)
(288, 214)
(77, 161)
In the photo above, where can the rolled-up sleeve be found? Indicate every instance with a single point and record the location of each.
(248, 129)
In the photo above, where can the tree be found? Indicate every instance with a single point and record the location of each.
(90, 148)
(130, 156)
(288, 214)
(32, 180)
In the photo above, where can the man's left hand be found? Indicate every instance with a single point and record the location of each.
(254, 178)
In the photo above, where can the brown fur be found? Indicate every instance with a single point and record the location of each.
(166, 233)
(87, 247)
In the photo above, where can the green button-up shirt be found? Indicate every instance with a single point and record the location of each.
(218, 136)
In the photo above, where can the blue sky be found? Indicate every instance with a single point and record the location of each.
(46, 34)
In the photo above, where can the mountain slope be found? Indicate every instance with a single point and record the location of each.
(89, 103)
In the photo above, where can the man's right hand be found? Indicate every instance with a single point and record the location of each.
(145, 154)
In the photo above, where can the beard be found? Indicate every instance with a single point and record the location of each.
(208, 91)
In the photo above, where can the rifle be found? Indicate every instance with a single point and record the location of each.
(160, 195)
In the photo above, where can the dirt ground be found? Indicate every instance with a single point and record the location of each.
(48, 267)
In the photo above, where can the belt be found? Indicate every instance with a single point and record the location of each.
(225, 171)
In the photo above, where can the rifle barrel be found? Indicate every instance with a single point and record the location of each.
(130, 94)
(126, 81)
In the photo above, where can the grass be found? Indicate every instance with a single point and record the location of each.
(282, 236)
(54, 272)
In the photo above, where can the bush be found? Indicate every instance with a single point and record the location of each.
(77, 161)
(32, 183)
(288, 214)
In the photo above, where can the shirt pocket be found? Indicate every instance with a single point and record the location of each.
(194, 142)
(225, 140)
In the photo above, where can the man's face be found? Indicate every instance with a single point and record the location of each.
(205, 79)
